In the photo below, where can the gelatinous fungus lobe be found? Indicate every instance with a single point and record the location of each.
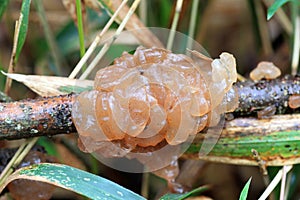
(265, 70)
(152, 97)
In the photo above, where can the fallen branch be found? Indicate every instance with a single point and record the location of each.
(275, 138)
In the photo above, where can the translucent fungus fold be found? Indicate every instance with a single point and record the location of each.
(152, 98)
(265, 70)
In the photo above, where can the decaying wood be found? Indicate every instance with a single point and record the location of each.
(52, 115)
(31, 118)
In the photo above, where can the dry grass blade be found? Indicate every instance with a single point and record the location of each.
(275, 182)
(48, 85)
(96, 42)
(13, 54)
(282, 18)
(107, 44)
(174, 24)
(147, 38)
(296, 48)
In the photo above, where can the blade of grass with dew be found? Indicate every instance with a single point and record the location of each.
(73, 179)
(275, 6)
(3, 5)
(196, 191)
(24, 15)
(244, 193)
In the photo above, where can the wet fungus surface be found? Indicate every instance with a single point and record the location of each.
(153, 98)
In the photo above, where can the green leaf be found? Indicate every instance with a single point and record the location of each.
(244, 193)
(70, 178)
(3, 5)
(275, 6)
(185, 195)
(75, 89)
(23, 20)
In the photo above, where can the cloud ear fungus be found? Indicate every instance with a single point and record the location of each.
(153, 98)
(105, 119)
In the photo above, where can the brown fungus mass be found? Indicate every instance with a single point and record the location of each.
(153, 97)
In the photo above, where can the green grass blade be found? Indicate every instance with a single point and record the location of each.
(275, 6)
(185, 195)
(244, 193)
(80, 27)
(81, 182)
(276, 149)
(23, 27)
(3, 5)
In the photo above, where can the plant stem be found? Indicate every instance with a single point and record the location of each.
(296, 43)
(274, 183)
(107, 44)
(192, 24)
(263, 29)
(12, 61)
(54, 50)
(97, 40)
(174, 24)
(80, 27)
